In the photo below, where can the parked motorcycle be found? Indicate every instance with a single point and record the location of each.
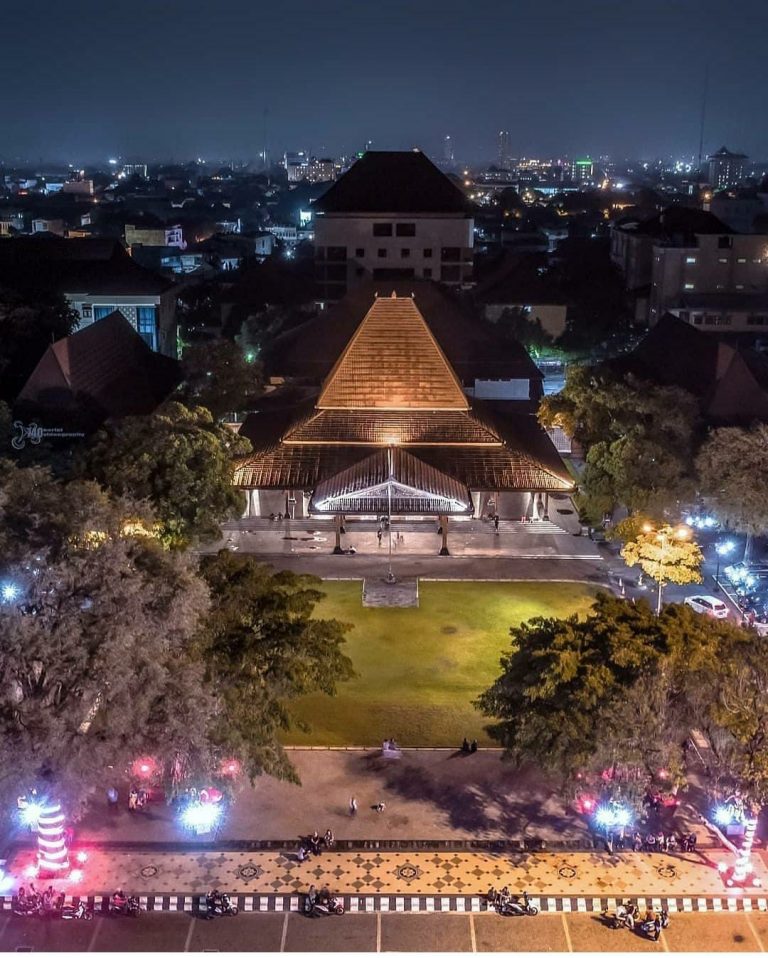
(652, 929)
(623, 917)
(316, 905)
(218, 904)
(513, 906)
(78, 912)
(125, 906)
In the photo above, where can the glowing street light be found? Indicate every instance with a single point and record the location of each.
(201, 818)
(9, 591)
(723, 549)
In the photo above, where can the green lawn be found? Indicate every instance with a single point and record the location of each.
(418, 670)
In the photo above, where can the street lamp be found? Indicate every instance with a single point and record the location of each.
(664, 537)
(723, 549)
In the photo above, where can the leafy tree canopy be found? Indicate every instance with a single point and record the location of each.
(220, 377)
(732, 470)
(263, 647)
(179, 461)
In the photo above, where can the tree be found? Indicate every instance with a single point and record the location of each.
(263, 646)
(731, 467)
(220, 377)
(666, 555)
(96, 631)
(639, 438)
(586, 694)
(178, 460)
(517, 324)
(29, 323)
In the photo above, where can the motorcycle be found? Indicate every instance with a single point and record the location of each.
(513, 906)
(220, 905)
(652, 929)
(79, 912)
(129, 906)
(316, 905)
(623, 917)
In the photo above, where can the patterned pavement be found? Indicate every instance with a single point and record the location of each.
(396, 874)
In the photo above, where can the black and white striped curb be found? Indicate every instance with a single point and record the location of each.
(427, 903)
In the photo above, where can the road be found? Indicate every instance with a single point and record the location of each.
(705, 932)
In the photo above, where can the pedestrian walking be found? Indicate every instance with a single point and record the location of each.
(378, 535)
(353, 806)
(133, 800)
(379, 807)
(496, 524)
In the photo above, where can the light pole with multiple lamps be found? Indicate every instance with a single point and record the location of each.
(722, 549)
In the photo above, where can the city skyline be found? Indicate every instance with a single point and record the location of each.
(230, 82)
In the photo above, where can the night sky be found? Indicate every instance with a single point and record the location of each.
(83, 80)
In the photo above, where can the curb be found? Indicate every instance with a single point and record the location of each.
(425, 903)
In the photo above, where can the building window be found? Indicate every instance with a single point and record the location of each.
(428, 273)
(405, 253)
(724, 242)
(337, 254)
(382, 229)
(688, 286)
(722, 259)
(755, 320)
(451, 254)
(427, 253)
(86, 311)
(381, 253)
(690, 259)
(101, 312)
(146, 322)
(757, 261)
(359, 252)
(720, 286)
(741, 259)
(405, 229)
(697, 319)
(739, 286)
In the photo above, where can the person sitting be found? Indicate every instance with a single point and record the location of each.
(465, 745)
(119, 899)
(328, 838)
(473, 746)
(303, 854)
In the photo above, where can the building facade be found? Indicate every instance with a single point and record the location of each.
(392, 216)
(393, 431)
(726, 169)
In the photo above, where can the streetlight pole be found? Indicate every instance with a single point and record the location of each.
(390, 574)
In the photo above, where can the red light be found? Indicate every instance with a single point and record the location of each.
(143, 767)
(230, 766)
(587, 804)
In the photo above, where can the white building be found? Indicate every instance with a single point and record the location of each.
(392, 216)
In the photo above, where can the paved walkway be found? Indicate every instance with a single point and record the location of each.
(388, 873)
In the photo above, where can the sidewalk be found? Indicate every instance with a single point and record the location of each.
(372, 873)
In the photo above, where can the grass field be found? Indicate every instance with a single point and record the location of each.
(418, 670)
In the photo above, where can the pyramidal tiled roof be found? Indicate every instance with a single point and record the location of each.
(392, 362)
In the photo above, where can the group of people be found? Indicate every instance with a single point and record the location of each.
(314, 844)
(651, 842)
(468, 747)
(651, 922)
(44, 904)
(137, 798)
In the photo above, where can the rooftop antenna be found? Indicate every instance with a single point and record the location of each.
(703, 115)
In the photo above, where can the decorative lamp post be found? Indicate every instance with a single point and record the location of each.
(664, 538)
(723, 549)
(390, 471)
(53, 858)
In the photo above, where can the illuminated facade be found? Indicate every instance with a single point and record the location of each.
(393, 428)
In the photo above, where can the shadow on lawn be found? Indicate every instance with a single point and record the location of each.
(481, 795)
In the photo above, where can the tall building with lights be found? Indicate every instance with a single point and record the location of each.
(726, 169)
(503, 152)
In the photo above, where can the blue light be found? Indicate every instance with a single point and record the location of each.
(201, 818)
(604, 817)
(9, 591)
(723, 815)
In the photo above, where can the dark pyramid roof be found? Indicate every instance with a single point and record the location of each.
(724, 152)
(76, 265)
(475, 349)
(394, 182)
(103, 371)
(674, 353)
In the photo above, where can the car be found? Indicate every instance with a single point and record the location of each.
(708, 605)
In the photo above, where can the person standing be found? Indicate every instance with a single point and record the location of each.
(353, 806)
(378, 536)
(496, 523)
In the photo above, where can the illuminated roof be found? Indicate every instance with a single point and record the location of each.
(392, 362)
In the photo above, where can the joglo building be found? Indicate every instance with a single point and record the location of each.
(392, 430)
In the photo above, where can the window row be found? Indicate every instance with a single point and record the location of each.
(400, 229)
